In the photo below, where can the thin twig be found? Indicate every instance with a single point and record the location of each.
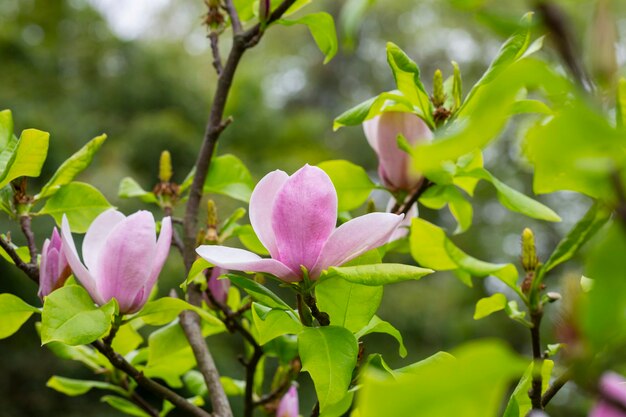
(29, 269)
(138, 399)
(404, 207)
(215, 50)
(555, 387)
(30, 238)
(163, 392)
(234, 17)
(535, 390)
(190, 322)
(322, 318)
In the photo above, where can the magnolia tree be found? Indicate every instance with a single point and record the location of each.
(310, 233)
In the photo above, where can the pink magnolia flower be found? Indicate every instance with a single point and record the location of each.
(295, 217)
(54, 270)
(218, 287)
(613, 386)
(122, 257)
(288, 405)
(394, 164)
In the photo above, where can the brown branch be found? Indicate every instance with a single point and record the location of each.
(322, 318)
(215, 124)
(138, 399)
(190, 322)
(29, 269)
(215, 50)
(163, 392)
(535, 390)
(404, 207)
(234, 17)
(30, 238)
(555, 387)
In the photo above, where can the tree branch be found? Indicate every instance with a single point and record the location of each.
(30, 238)
(535, 390)
(555, 387)
(29, 269)
(404, 207)
(234, 17)
(190, 321)
(120, 363)
(215, 50)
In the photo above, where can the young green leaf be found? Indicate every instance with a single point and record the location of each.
(169, 355)
(329, 355)
(229, 176)
(376, 325)
(620, 105)
(27, 159)
(75, 387)
(348, 304)
(352, 183)
(519, 404)
(270, 323)
(129, 188)
(14, 312)
(80, 202)
(258, 292)
(378, 274)
(165, 310)
(70, 316)
(73, 166)
(489, 305)
(124, 405)
(6, 128)
(322, 28)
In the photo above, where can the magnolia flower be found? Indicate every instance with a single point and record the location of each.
(122, 257)
(288, 406)
(294, 218)
(394, 164)
(218, 287)
(612, 386)
(53, 271)
(403, 228)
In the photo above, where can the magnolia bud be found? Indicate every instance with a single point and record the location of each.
(529, 252)
(54, 269)
(165, 167)
(288, 406)
(439, 96)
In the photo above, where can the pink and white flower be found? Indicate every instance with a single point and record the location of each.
(295, 218)
(53, 270)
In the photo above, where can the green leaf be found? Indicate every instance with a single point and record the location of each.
(350, 19)
(70, 316)
(27, 159)
(530, 106)
(14, 313)
(352, 183)
(322, 28)
(514, 200)
(250, 240)
(258, 292)
(439, 195)
(470, 386)
(585, 229)
(407, 76)
(512, 50)
(129, 188)
(80, 202)
(270, 323)
(229, 176)
(196, 273)
(457, 87)
(329, 355)
(488, 305)
(388, 101)
(431, 248)
(73, 166)
(376, 325)
(127, 338)
(124, 405)
(348, 304)
(417, 367)
(519, 404)
(83, 354)
(76, 387)
(620, 105)
(169, 355)
(166, 309)
(6, 128)
(379, 274)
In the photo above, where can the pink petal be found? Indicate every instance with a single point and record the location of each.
(395, 163)
(160, 256)
(304, 216)
(370, 128)
(356, 237)
(97, 234)
(403, 228)
(126, 259)
(613, 386)
(261, 206)
(242, 260)
(288, 405)
(78, 269)
(45, 271)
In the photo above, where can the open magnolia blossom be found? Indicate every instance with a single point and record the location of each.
(612, 386)
(122, 257)
(54, 270)
(294, 218)
(394, 164)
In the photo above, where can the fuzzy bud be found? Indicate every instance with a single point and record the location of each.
(439, 96)
(165, 167)
(529, 252)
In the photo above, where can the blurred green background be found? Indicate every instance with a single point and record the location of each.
(141, 72)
